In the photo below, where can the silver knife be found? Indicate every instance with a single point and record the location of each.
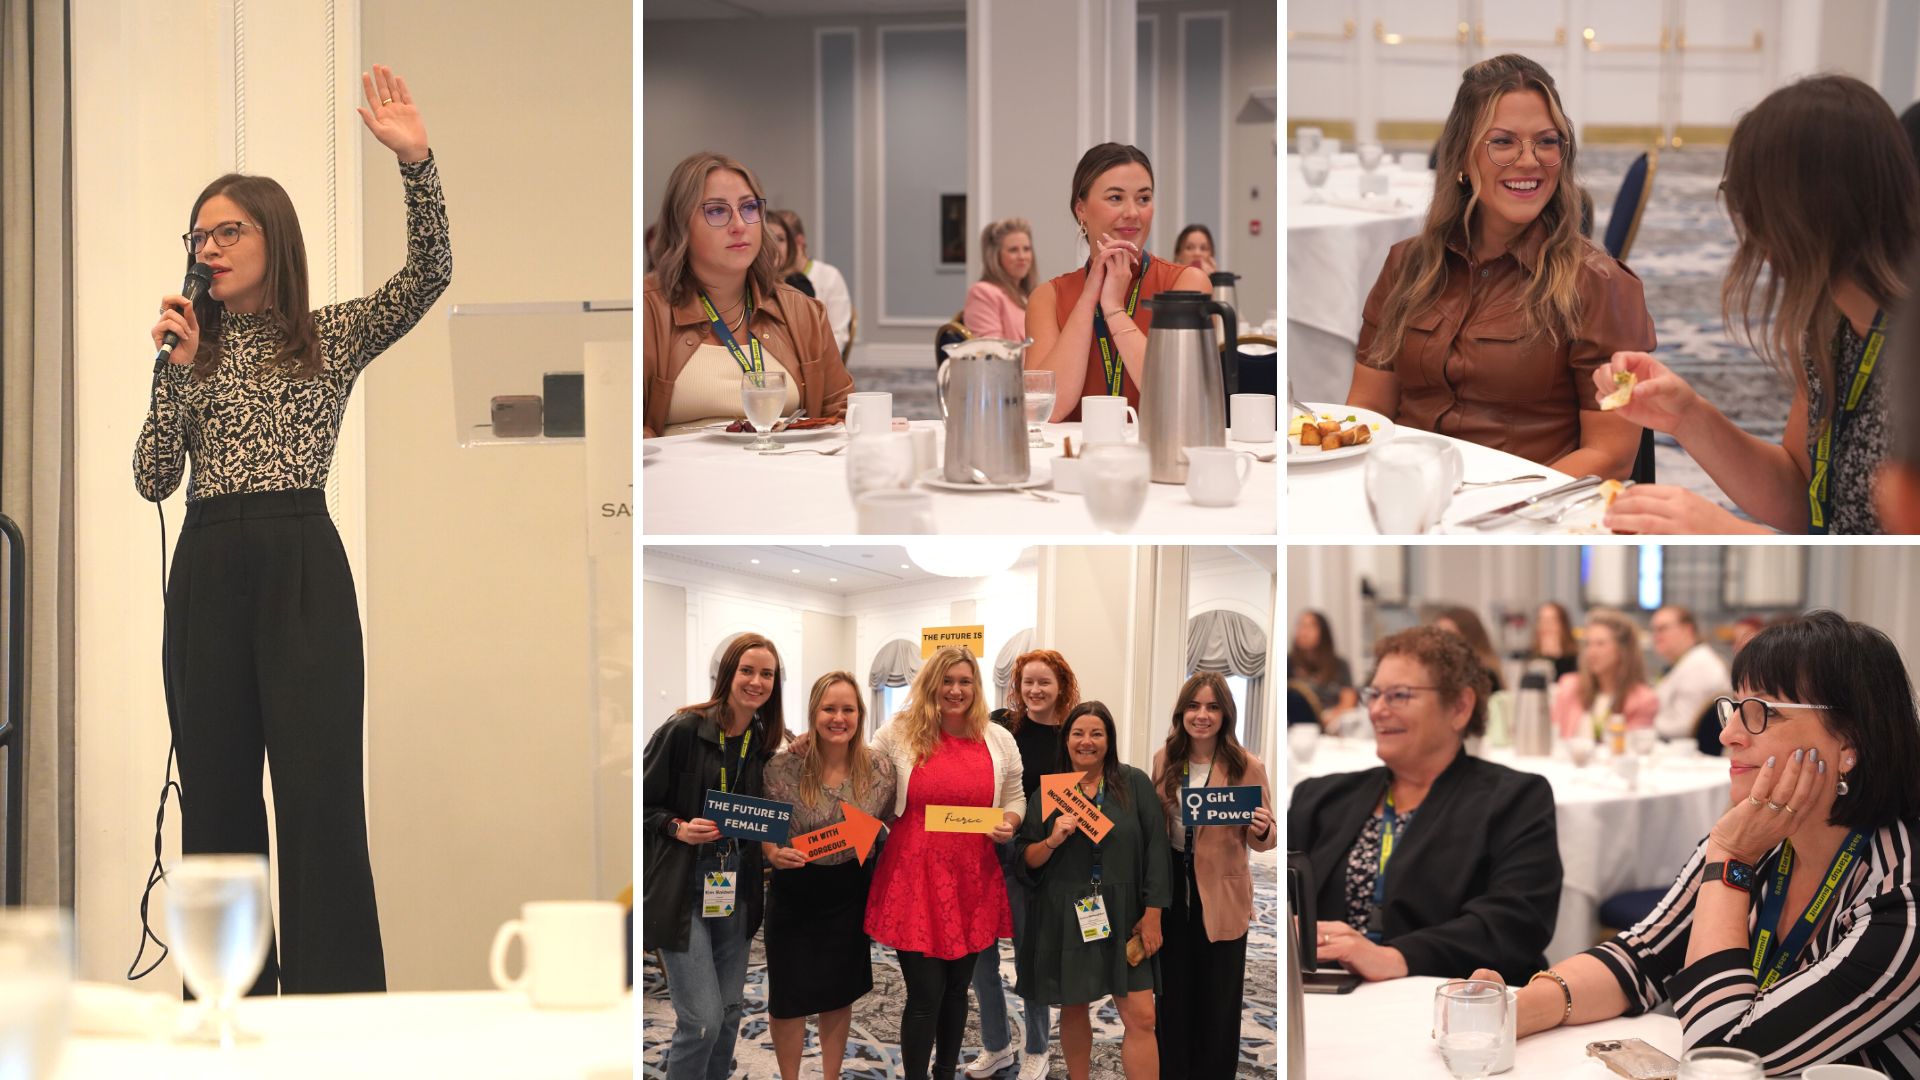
(1490, 516)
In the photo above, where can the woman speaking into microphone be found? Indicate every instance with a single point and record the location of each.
(262, 649)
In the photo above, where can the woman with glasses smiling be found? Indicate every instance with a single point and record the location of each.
(1488, 324)
(1436, 861)
(262, 647)
(716, 310)
(1794, 930)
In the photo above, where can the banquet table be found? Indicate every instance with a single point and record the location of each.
(1385, 1029)
(474, 1036)
(1614, 837)
(702, 484)
(1334, 255)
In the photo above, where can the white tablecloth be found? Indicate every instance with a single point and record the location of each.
(1612, 839)
(362, 1036)
(1334, 255)
(1385, 1029)
(1331, 497)
(700, 484)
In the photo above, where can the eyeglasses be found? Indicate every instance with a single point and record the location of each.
(226, 234)
(1755, 714)
(1396, 697)
(1504, 148)
(719, 213)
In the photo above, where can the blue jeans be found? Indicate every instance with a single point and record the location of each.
(994, 1032)
(708, 985)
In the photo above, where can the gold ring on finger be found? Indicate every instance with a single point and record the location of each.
(386, 101)
(1755, 799)
(1789, 808)
(1774, 806)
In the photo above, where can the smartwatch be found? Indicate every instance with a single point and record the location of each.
(673, 828)
(1737, 874)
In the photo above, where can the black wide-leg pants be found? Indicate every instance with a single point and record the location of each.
(263, 658)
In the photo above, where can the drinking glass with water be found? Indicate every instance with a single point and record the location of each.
(762, 394)
(1037, 386)
(1469, 1020)
(221, 926)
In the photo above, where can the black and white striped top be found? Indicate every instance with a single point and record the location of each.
(1853, 996)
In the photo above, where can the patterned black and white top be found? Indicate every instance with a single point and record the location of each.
(252, 426)
(1363, 865)
(1862, 445)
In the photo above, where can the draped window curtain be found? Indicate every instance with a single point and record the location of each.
(1003, 673)
(36, 407)
(1232, 644)
(895, 665)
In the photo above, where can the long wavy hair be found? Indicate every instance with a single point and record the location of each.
(1227, 750)
(1551, 305)
(1633, 666)
(1062, 674)
(920, 720)
(859, 758)
(796, 231)
(991, 268)
(673, 261)
(1564, 643)
(1319, 663)
(284, 283)
(1792, 221)
(769, 725)
(1110, 774)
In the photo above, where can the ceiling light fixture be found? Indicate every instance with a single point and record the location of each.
(972, 559)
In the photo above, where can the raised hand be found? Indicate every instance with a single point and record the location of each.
(1118, 258)
(390, 114)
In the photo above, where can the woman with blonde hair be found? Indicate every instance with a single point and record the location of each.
(818, 955)
(715, 308)
(1488, 324)
(938, 898)
(997, 303)
(1832, 257)
(1612, 679)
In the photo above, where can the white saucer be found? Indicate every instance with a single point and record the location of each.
(934, 479)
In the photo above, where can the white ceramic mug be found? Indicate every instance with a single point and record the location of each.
(869, 412)
(1253, 417)
(1215, 474)
(1842, 1072)
(573, 954)
(1103, 418)
(894, 512)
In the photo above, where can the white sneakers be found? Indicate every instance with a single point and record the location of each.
(989, 1062)
(1034, 1066)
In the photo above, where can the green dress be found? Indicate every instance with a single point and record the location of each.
(1052, 963)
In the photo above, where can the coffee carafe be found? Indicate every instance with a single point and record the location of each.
(1532, 720)
(983, 401)
(1183, 399)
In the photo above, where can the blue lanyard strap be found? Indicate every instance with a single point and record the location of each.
(1820, 488)
(747, 364)
(1772, 955)
(1099, 799)
(1389, 827)
(1109, 352)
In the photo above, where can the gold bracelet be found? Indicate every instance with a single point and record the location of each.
(1565, 991)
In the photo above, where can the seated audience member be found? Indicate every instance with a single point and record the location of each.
(1816, 274)
(1553, 639)
(1463, 621)
(1488, 325)
(776, 227)
(1311, 660)
(1612, 679)
(715, 308)
(829, 285)
(1750, 945)
(997, 303)
(1897, 488)
(1194, 247)
(1695, 673)
(1436, 855)
(1089, 327)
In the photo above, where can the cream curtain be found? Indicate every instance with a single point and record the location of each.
(1232, 644)
(36, 410)
(1003, 673)
(894, 665)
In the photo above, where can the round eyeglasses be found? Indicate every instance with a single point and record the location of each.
(1755, 713)
(719, 213)
(1396, 697)
(1503, 148)
(226, 234)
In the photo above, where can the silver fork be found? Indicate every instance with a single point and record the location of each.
(822, 453)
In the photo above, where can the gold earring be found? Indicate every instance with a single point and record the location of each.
(1461, 178)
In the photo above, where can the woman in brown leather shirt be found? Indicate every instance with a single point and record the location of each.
(1487, 326)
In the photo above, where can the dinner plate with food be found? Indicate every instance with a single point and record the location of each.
(1335, 433)
(787, 431)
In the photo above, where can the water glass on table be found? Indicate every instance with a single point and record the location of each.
(1720, 1063)
(36, 981)
(221, 926)
(1307, 139)
(1406, 486)
(1037, 389)
(879, 463)
(1469, 1022)
(1370, 155)
(1314, 169)
(762, 395)
(1114, 481)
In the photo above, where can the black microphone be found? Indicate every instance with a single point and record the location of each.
(197, 281)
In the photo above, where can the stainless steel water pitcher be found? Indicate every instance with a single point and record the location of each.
(1532, 720)
(1183, 399)
(983, 401)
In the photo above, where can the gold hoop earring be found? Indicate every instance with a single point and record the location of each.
(1461, 179)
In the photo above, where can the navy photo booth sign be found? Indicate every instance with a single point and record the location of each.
(1219, 805)
(748, 818)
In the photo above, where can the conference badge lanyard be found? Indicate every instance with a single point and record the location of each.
(1377, 911)
(1820, 488)
(719, 888)
(1109, 352)
(1091, 910)
(747, 364)
(1772, 956)
(1186, 774)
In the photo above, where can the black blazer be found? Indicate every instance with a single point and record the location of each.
(1475, 882)
(680, 764)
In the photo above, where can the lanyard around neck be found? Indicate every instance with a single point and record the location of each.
(1820, 488)
(1771, 955)
(1109, 352)
(747, 364)
(745, 741)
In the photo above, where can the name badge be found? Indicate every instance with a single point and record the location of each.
(1092, 913)
(716, 901)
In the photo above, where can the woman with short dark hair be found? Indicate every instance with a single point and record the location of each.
(1794, 930)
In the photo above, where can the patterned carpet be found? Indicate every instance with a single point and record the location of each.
(873, 1050)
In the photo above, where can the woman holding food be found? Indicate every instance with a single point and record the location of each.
(1487, 325)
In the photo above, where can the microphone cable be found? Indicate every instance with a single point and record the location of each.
(157, 873)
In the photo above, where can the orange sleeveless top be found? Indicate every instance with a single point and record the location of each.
(1161, 275)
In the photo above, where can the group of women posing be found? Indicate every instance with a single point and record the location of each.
(1175, 901)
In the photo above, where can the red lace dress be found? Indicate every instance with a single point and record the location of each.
(941, 894)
